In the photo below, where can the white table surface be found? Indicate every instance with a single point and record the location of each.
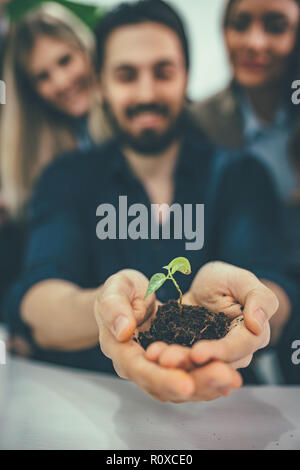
(47, 407)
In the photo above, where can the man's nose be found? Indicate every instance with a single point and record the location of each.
(146, 88)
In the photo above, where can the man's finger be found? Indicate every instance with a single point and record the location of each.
(236, 345)
(165, 384)
(175, 356)
(120, 303)
(117, 315)
(130, 362)
(261, 304)
(214, 380)
(154, 351)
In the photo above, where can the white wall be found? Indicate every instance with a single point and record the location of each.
(203, 18)
(210, 71)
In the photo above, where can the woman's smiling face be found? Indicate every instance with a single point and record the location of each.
(61, 75)
(261, 36)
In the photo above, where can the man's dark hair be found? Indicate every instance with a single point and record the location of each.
(142, 11)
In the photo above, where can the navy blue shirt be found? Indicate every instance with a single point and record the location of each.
(242, 226)
(12, 242)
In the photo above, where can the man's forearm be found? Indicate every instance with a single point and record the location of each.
(282, 315)
(61, 315)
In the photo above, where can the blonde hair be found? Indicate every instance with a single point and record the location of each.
(31, 134)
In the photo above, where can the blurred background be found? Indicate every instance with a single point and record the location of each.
(209, 72)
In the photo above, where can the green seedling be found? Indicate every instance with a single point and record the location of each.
(157, 280)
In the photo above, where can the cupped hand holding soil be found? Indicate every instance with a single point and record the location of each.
(238, 294)
(184, 326)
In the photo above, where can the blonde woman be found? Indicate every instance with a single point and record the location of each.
(51, 103)
(51, 107)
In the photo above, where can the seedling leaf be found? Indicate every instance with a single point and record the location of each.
(180, 264)
(156, 281)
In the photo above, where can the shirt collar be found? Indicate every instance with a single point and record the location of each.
(253, 126)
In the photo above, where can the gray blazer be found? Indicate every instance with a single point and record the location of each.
(220, 117)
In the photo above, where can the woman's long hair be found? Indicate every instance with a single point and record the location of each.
(31, 132)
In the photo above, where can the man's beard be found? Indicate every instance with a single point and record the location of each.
(150, 142)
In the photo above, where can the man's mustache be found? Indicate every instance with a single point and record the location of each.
(144, 108)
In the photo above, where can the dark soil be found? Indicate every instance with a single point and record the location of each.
(184, 327)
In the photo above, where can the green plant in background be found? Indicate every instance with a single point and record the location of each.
(157, 280)
(89, 14)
